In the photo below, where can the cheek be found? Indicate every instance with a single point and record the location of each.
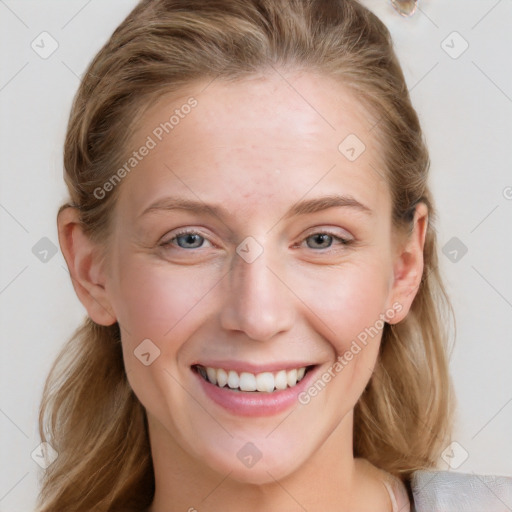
(164, 305)
(349, 304)
(347, 301)
(153, 301)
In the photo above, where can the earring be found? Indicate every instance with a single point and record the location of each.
(405, 7)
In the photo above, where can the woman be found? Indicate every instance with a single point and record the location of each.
(251, 233)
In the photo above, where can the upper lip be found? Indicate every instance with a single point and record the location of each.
(244, 366)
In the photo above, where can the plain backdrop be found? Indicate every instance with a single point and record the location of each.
(456, 58)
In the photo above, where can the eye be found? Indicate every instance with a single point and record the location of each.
(186, 240)
(324, 240)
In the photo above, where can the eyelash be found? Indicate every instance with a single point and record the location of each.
(342, 241)
(182, 233)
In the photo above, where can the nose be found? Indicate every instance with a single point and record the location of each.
(258, 302)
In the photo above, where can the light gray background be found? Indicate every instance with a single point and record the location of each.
(465, 104)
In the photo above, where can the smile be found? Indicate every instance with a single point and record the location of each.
(266, 382)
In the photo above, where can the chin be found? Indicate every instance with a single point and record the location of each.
(258, 463)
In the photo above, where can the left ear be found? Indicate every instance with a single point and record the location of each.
(408, 266)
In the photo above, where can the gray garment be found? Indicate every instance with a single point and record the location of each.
(447, 491)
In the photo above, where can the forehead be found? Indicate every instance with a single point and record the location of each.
(262, 140)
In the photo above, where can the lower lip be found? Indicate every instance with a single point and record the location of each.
(255, 403)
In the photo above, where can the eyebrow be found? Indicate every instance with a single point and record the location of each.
(303, 207)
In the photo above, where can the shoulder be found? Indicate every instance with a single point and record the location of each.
(394, 487)
(397, 493)
(449, 490)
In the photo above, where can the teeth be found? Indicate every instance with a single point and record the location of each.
(222, 377)
(280, 380)
(212, 375)
(248, 382)
(245, 381)
(265, 382)
(291, 377)
(233, 380)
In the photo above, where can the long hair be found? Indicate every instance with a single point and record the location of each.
(89, 414)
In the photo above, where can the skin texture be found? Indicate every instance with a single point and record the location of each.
(255, 147)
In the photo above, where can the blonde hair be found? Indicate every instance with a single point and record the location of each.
(89, 414)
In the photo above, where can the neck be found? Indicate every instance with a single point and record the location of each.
(326, 481)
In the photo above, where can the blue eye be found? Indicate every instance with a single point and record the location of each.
(186, 240)
(190, 241)
(193, 240)
(324, 240)
(321, 241)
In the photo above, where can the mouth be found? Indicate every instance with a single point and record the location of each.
(263, 382)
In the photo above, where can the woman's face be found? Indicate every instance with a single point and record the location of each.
(253, 242)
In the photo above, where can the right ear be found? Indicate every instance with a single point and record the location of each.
(85, 266)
